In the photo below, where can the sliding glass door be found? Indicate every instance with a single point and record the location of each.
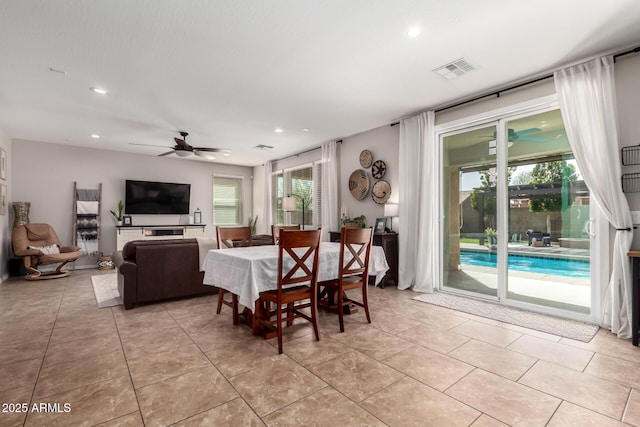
(547, 218)
(470, 211)
(516, 215)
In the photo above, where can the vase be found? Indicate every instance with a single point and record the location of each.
(21, 211)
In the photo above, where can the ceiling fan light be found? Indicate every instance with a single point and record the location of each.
(184, 153)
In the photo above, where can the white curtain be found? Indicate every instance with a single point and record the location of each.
(417, 203)
(329, 188)
(266, 215)
(587, 101)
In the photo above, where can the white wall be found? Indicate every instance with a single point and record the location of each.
(383, 142)
(5, 231)
(44, 175)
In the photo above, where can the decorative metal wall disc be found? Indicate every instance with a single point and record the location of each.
(381, 192)
(359, 184)
(378, 169)
(366, 158)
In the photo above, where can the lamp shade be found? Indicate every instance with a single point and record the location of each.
(184, 153)
(289, 204)
(391, 210)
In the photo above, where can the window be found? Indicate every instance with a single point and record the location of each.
(227, 200)
(303, 182)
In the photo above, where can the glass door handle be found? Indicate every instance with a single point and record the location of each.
(589, 228)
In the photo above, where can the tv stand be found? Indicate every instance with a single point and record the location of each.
(155, 232)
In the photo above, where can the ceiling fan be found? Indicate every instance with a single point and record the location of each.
(183, 149)
(521, 135)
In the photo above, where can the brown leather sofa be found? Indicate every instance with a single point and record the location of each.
(154, 270)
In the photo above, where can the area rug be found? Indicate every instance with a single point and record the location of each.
(105, 287)
(540, 322)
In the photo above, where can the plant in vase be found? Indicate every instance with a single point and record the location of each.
(118, 215)
(252, 223)
(492, 237)
(357, 222)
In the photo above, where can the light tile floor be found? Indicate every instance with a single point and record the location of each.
(180, 363)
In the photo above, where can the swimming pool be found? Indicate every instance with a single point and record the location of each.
(555, 266)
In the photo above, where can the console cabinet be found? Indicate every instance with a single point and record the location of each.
(389, 243)
(125, 234)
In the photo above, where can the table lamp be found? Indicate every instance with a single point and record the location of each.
(391, 211)
(289, 205)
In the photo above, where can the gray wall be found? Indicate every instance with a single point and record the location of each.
(383, 142)
(44, 175)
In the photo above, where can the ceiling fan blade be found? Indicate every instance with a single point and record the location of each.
(532, 138)
(148, 145)
(201, 153)
(167, 153)
(212, 150)
(530, 130)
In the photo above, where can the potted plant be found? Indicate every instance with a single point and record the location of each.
(253, 222)
(118, 215)
(492, 237)
(356, 222)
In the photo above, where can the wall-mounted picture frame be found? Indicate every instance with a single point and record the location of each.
(3, 164)
(3, 199)
(380, 225)
(127, 221)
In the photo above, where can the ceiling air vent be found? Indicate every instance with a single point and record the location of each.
(454, 69)
(263, 147)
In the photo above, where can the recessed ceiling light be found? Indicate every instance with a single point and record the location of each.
(95, 136)
(305, 130)
(278, 130)
(226, 154)
(98, 90)
(414, 32)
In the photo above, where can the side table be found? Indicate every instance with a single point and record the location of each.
(389, 243)
(635, 296)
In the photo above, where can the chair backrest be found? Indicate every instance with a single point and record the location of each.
(233, 237)
(33, 235)
(355, 247)
(275, 231)
(297, 250)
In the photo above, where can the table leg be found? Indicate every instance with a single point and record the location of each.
(635, 304)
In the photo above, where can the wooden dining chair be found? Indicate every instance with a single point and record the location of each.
(353, 270)
(275, 231)
(298, 256)
(231, 237)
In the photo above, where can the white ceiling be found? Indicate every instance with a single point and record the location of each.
(231, 71)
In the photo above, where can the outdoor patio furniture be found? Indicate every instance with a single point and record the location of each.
(538, 236)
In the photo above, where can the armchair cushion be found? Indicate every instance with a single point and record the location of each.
(47, 250)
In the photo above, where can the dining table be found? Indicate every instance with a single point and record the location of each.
(247, 271)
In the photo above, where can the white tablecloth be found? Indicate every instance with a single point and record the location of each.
(248, 271)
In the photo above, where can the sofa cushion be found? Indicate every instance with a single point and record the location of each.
(130, 248)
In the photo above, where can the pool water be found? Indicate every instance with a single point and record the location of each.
(555, 266)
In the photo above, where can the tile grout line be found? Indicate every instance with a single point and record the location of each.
(31, 402)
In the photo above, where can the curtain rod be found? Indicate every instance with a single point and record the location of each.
(302, 152)
(516, 86)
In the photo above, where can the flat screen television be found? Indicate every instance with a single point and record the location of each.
(147, 197)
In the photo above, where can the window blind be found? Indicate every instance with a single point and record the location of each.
(227, 201)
